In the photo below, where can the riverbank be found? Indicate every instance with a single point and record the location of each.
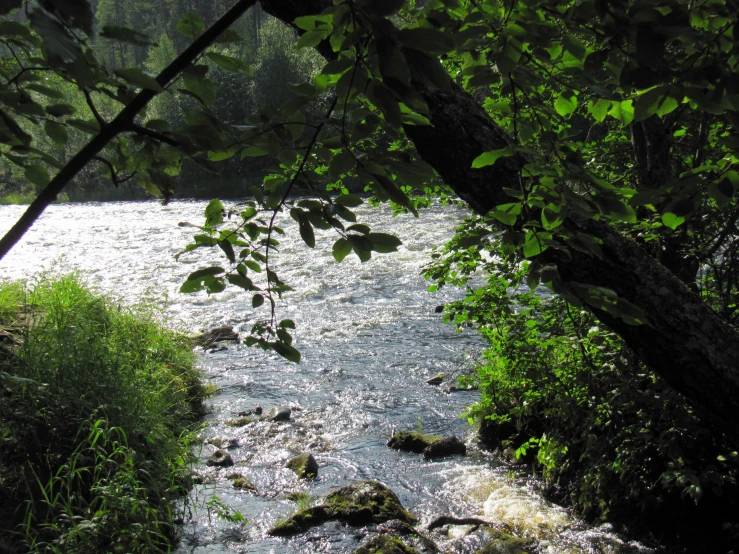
(97, 411)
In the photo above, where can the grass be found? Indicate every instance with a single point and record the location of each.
(97, 408)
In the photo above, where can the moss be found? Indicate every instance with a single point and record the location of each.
(242, 483)
(411, 442)
(300, 521)
(304, 466)
(507, 544)
(359, 503)
(385, 544)
(240, 421)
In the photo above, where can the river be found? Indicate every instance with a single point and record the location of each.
(369, 339)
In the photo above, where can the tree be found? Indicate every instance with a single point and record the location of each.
(594, 139)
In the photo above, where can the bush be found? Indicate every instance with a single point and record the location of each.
(605, 433)
(96, 413)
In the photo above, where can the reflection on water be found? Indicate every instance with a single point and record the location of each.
(369, 340)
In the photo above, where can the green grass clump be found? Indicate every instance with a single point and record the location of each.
(97, 405)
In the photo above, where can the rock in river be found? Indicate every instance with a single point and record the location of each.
(411, 442)
(508, 544)
(445, 447)
(304, 466)
(385, 544)
(277, 413)
(358, 503)
(220, 458)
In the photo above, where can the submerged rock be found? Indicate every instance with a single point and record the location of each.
(385, 544)
(359, 503)
(445, 447)
(508, 544)
(241, 421)
(220, 458)
(209, 338)
(277, 413)
(304, 465)
(436, 380)
(411, 442)
(243, 484)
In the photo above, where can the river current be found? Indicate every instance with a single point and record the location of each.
(369, 339)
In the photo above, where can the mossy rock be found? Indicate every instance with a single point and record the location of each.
(367, 502)
(385, 544)
(359, 503)
(243, 484)
(304, 466)
(508, 544)
(241, 421)
(301, 521)
(448, 446)
(411, 442)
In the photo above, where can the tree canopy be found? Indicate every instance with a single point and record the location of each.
(594, 140)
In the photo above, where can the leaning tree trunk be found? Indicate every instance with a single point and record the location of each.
(685, 341)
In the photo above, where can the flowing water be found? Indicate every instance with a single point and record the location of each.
(369, 340)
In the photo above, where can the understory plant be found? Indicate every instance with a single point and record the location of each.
(97, 411)
(607, 435)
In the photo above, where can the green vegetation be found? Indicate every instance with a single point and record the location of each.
(96, 415)
(596, 143)
(606, 434)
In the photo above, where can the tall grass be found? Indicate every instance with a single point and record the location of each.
(95, 415)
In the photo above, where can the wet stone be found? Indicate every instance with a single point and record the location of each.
(436, 380)
(508, 544)
(445, 447)
(359, 503)
(304, 465)
(277, 413)
(220, 458)
(411, 442)
(385, 544)
(240, 421)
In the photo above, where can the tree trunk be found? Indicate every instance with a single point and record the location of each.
(684, 341)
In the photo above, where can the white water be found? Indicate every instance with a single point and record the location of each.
(369, 340)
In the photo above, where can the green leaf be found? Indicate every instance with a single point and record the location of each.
(672, 221)
(60, 110)
(286, 351)
(257, 300)
(228, 63)
(46, 91)
(536, 243)
(38, 175)
(489, 158)
(137, 78)
(306, 231)
(564, 105)
(623, 111)
(208, 271)
(383, 242)
(349, 200)
(310, 39)
(56, 132)
(190, 25)
(200, 86)
(341, 249)
(214, 213)
(228, 250)
(124, 34)
(599, 109)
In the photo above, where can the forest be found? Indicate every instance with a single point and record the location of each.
(593, 144)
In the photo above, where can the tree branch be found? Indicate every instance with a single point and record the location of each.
(122, 122)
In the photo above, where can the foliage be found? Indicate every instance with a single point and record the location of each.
(606, 434)
(97, 409)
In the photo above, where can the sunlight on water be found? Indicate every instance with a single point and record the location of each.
(369, 338)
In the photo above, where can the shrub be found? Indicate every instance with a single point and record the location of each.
(604, 432)
(97, 410)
